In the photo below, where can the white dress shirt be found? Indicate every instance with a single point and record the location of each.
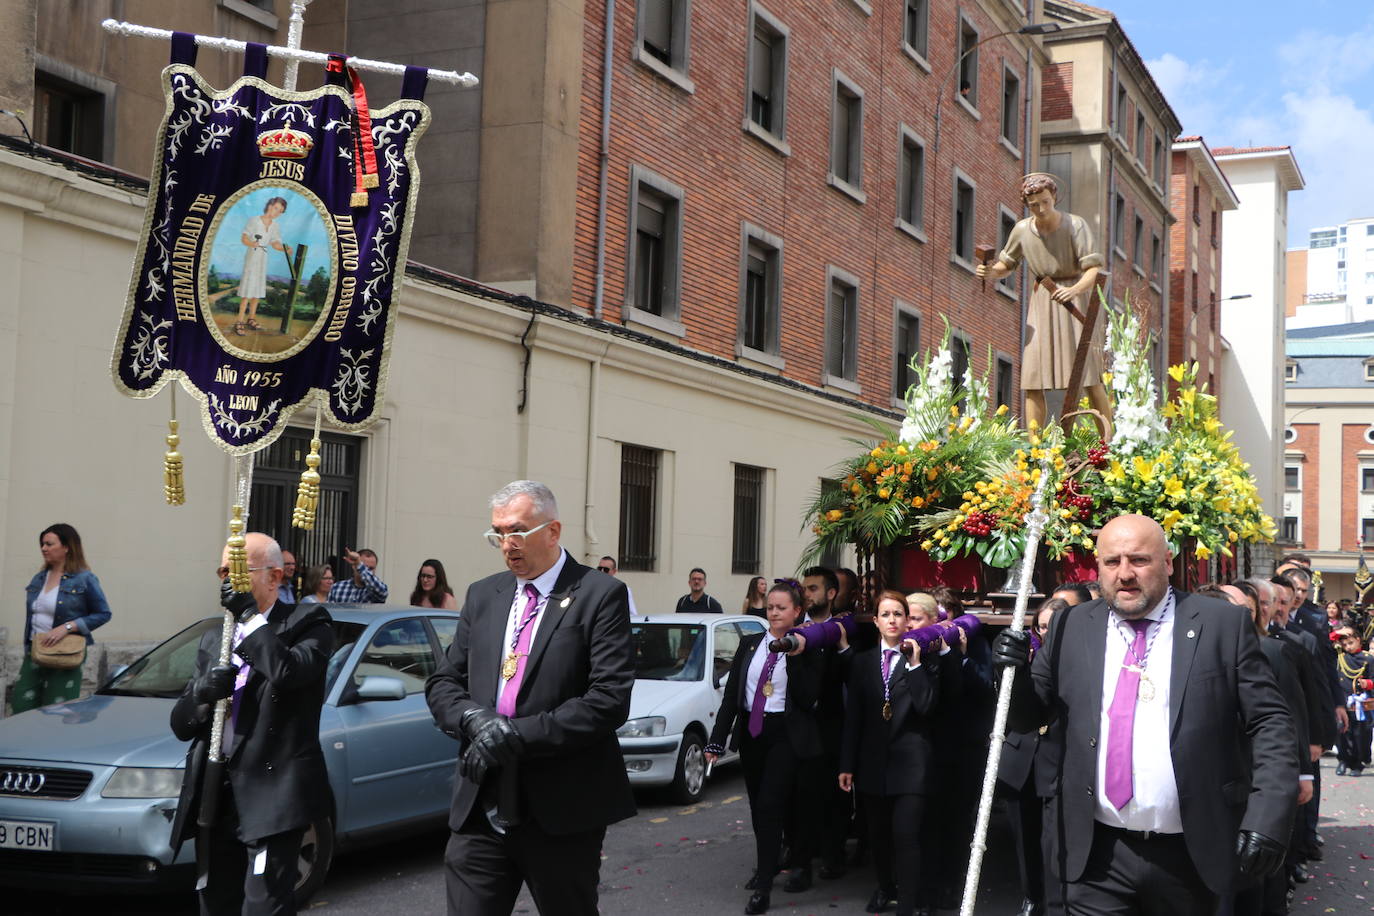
(545, 584)
(1154, 801)
(778, 701)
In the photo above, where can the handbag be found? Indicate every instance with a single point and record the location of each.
(69, 652)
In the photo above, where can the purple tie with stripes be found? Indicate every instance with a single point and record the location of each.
(1121, 722)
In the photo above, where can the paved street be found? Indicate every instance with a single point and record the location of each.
(674, 859)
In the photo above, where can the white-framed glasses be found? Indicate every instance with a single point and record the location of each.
(516, 538)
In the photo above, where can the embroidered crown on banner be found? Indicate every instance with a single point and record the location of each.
(284, 143)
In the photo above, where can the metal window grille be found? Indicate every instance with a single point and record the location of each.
(638, 508)
(276, 473)
(747, 544)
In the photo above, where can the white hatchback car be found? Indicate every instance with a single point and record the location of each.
(681, 662)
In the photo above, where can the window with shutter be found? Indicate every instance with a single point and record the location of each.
(657, 29)
(649, 257)
(911, 188)
(917, 26)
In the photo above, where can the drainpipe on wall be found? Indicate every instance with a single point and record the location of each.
(590, 538)
(607, 61)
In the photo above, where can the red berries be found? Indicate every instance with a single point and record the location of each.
(980, 524)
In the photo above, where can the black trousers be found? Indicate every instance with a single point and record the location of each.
(1127, 875)
(838, 811)
(1025, 812)
(248, 879)
(894, 831)
(483, 870)
(1352, 748)
(778, 782)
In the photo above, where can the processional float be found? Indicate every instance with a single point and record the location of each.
(242, 177)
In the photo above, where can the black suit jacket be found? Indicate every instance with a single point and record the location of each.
(275, 765)
(896, 756)
(575, 694)
(1285, 659)
(1314, 634)
(1318, 723)
(804, 673)
(1230, 736)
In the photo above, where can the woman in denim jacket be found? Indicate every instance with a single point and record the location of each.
(63, 598)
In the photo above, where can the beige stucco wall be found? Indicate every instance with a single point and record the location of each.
(72, 449)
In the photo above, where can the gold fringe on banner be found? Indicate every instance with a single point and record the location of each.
(239, 577)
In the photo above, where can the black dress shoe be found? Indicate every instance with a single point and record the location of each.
(832, 872)
(1357, 772)
(1300, 874)
(1313, 853)
(798, 881)
(1318, 839)
(1340, 769)
(883, 898)
(1030, 908)
(758, 903)
(753, 883)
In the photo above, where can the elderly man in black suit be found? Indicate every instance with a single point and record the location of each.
(1143, 669)
(535, 684)
(274, 784)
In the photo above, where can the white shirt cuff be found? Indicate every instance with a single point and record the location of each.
(945, 650)
(1305, 777)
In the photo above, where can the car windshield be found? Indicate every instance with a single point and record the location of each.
(669, 651)
(164, 671)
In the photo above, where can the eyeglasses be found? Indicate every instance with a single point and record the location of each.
(224, 570)
(426, 575)
(517, 538)
(606, 569)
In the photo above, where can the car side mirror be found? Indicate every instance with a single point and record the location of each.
(715, 681)
(381, 687)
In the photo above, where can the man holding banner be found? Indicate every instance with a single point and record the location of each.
(1142, 669)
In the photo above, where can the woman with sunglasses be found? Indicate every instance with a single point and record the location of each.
(768, 712)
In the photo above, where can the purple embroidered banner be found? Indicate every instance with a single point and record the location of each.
(257, 282)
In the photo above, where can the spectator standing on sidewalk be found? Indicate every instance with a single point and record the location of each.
(1356, 669)
(363, 587)
(696, 601)
(610, 567)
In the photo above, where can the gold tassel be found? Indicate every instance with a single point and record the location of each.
(239, 577)
(308, 492)
(173, 486)
(371, 180)
(358, 199)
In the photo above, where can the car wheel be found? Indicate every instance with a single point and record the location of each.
(690, 778)
(317, 852)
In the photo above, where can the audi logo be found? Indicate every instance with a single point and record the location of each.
(21, 782)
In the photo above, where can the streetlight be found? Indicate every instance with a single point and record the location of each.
(1037, 28)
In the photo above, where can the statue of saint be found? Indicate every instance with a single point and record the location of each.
(1057, 247)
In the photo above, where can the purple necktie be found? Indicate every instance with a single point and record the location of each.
(1121, 721)
(756, 708)
(506, 705)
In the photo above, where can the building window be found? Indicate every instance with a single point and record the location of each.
(1138, 246)
(664, 28)
(747, 545)
(911, 182)
(1141, 137)
(1005, 392)
(1367, 530)
(1197, 204)
(1292, 477)
(1290, 528)
(1290, 435)
(961, 350)
(638, 507)
(1011, 106)
(1119, 112)
(968, 63)
(841, 328)
(1214, 226)
(67, 116)
(906, 345)
(916, 32)
(1060, 165)
(1006, 224)
(1119, 224)
(1159, 161)
(1195, 291)
(768, 74)
(655, 261)
(1369, 370)
(1290, 371)
(847, 133)
(761, 291)
(276, 474)
(1367, 479)
(1156, 257)
(964, 200)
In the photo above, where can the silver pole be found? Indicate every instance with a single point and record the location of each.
(114, 26)
(293, 43)
(1035, 526)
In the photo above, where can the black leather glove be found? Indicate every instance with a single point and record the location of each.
(472, 766)
(1011, 649)
(1257, 855)
(241, 604)
(491, 735)
(216, 684)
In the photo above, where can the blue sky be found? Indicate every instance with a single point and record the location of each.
(1265, 73)
(300, 224)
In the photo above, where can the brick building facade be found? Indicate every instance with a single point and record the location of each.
(1198, 194)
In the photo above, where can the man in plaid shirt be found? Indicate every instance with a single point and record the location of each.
(364, 587)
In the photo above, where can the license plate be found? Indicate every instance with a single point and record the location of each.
(28, 835)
